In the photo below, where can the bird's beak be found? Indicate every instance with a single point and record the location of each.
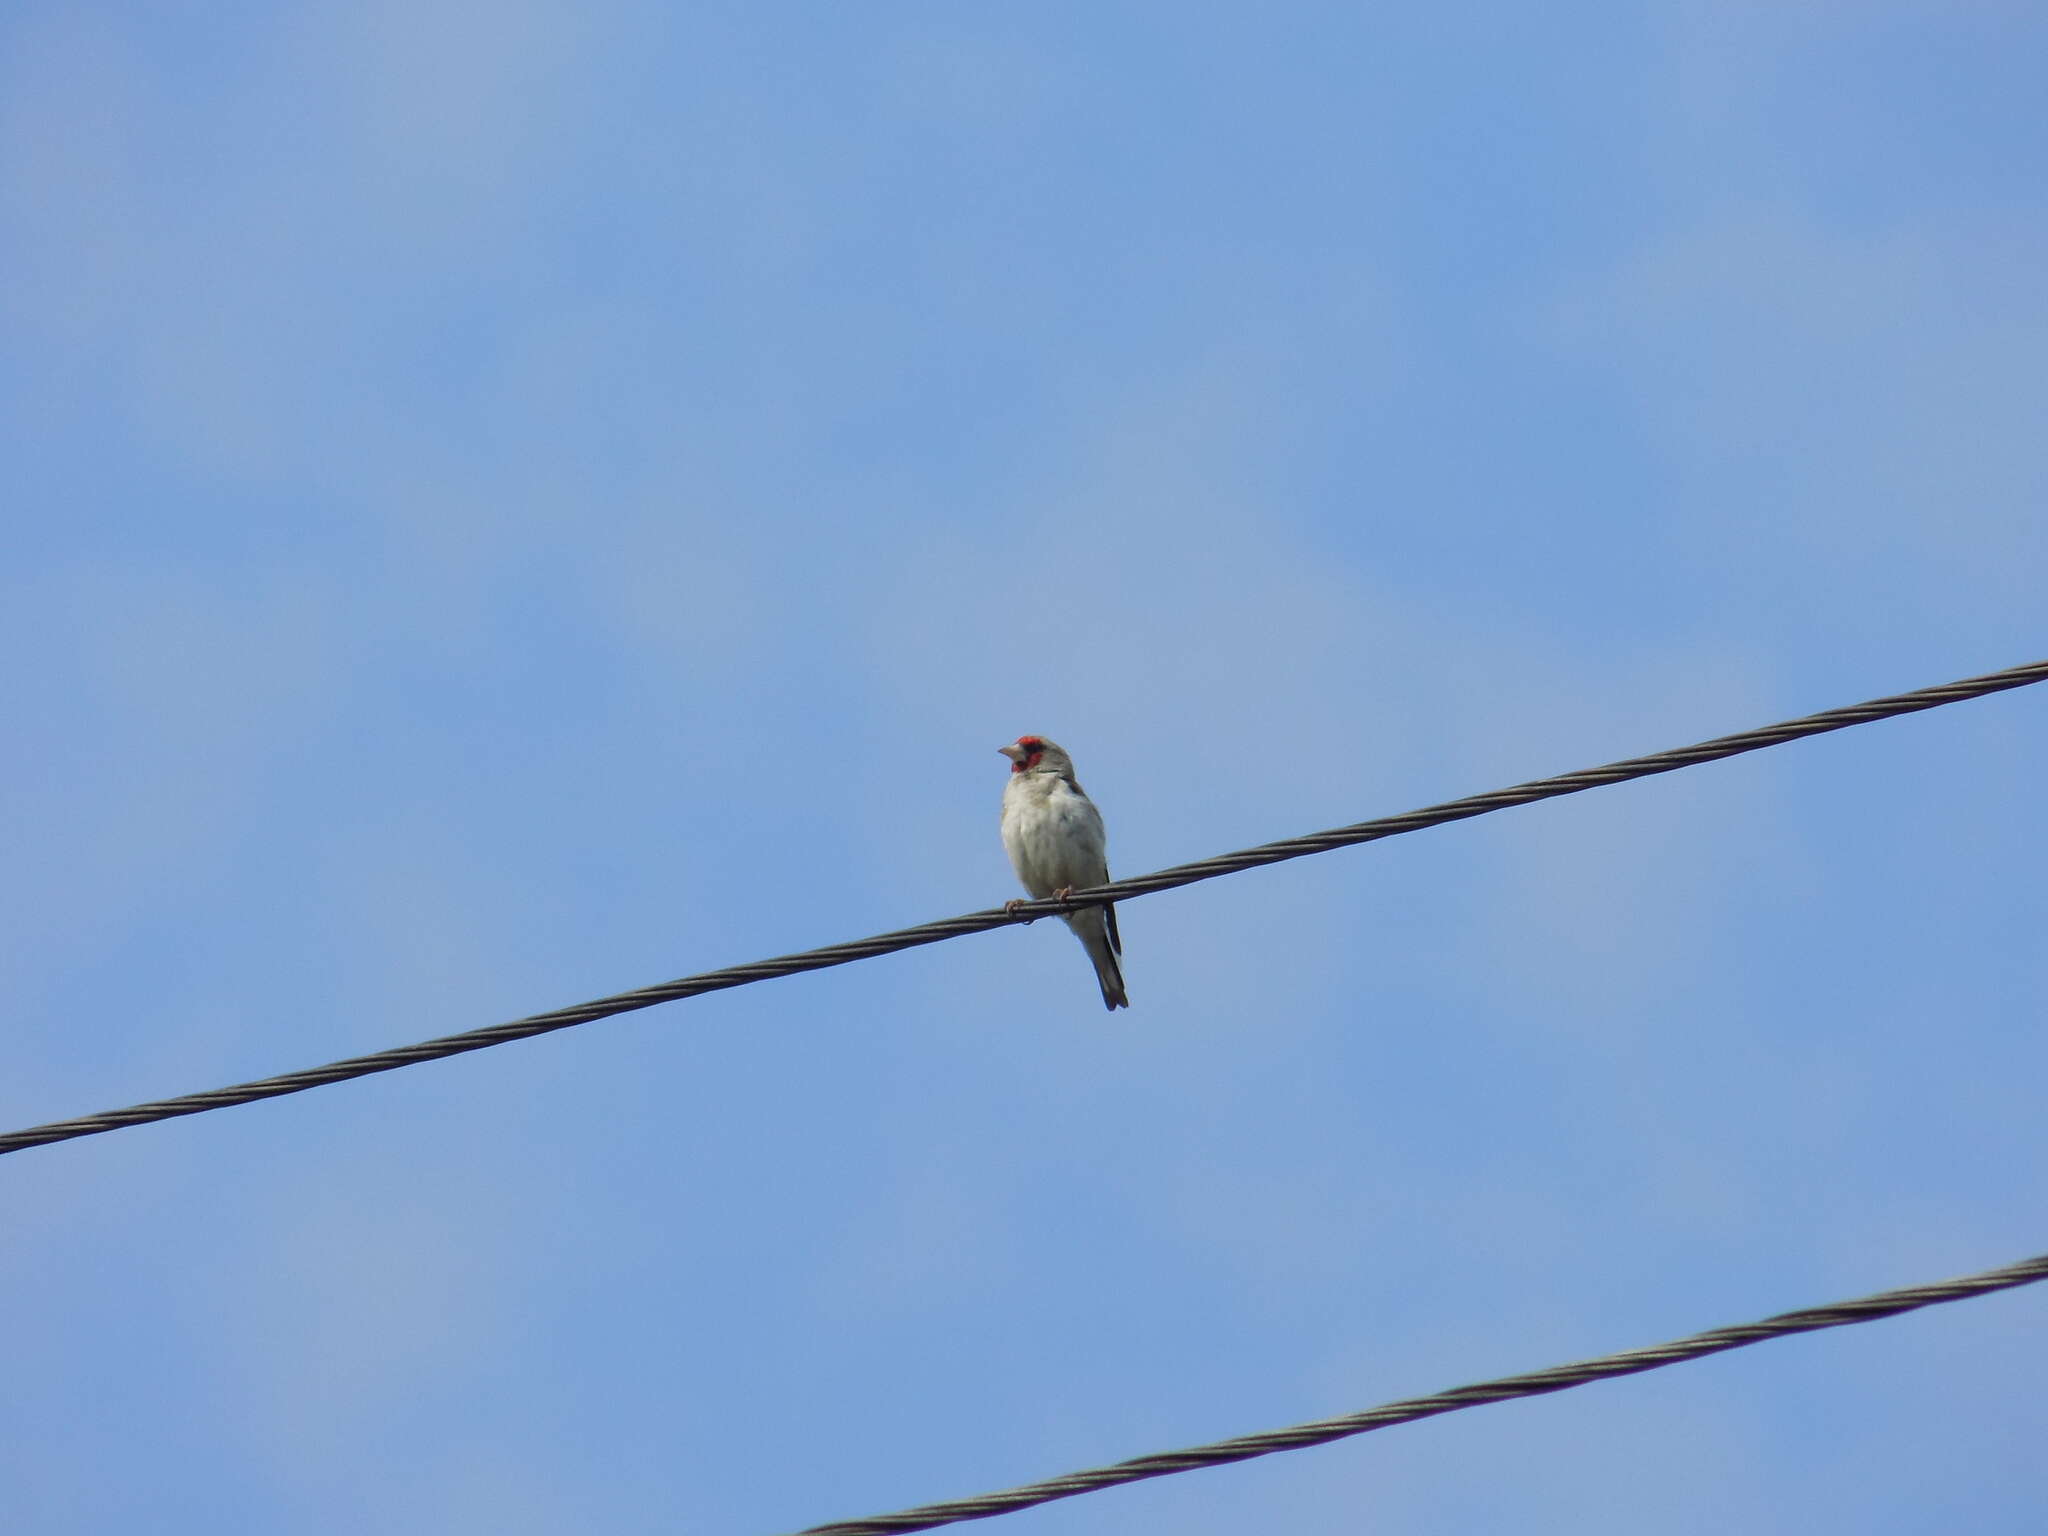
(1013, 752)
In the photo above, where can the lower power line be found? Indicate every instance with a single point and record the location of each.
(1868, 1309)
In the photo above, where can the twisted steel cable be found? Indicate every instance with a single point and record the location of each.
(1868, 1309)
(1027, 911)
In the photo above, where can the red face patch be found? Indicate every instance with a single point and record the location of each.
(1034, 749)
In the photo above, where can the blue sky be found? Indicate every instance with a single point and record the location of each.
(513, 503)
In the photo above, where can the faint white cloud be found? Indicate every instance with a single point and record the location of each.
(1864, 410)
(168, 694)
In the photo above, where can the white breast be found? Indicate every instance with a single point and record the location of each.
(1053, 835)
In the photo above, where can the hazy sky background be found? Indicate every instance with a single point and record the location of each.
(510, 503)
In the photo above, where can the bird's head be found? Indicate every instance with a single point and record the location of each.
(1029, 752)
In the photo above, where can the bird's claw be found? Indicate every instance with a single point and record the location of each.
(1012, 906)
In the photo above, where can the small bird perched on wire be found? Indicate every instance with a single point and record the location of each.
(1054, 837)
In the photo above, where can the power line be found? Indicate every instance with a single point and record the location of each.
(1868, 1309)
(998, 917)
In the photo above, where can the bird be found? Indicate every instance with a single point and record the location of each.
(1053, 834)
